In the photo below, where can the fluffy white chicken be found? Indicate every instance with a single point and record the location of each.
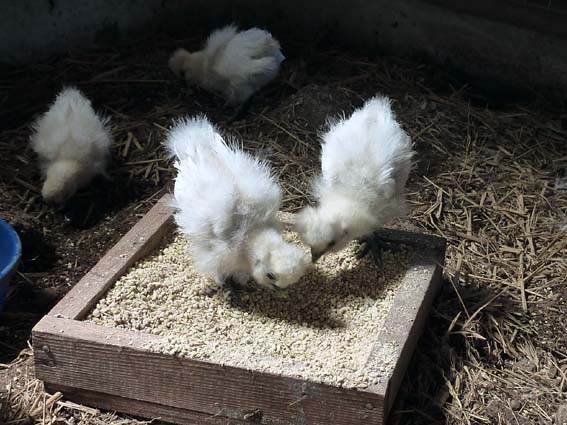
(72, 143)
(232, 63)
(365, 162)
(226, 203)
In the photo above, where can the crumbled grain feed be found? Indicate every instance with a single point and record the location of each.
(323, 330)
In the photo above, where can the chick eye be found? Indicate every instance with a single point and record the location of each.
(271, 276)
(331, 244)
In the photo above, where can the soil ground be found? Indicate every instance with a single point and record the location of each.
(490, 177)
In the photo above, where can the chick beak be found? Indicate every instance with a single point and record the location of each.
(315, 255)
(280, 292)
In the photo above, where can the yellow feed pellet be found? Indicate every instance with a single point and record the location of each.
(323, 329)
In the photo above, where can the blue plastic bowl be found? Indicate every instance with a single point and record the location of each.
(10, 254)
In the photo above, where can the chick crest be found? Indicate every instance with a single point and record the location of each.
(226, 203)
(365, 163)
(233, 63)
(72, 143)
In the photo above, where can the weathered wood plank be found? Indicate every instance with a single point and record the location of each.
(434, 245)
(136, 244)
(112, 361)
(405, 322)
(112, 368)
(148, 409)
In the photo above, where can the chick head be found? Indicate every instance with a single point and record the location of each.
(277, 264)
(63, 178)
(323, 230)
(187, 65)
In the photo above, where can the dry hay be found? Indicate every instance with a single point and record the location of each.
(488, 179)
(495, 200)
(23, 401)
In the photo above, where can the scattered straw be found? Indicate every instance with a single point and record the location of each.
(489, 178)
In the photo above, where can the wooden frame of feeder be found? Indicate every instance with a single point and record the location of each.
(110, 368)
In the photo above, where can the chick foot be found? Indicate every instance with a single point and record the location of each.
(374, 246)
(240, 111)
(229, 285)
(233, 288)
(88, 205)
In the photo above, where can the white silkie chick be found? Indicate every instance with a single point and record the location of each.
(73, 145)
(226, 203)
(233, 64)
(365, 162)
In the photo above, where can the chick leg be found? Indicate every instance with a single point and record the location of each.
(375, 246)
(230, 285)
(241, 282)
(225, 284)
(240, 111)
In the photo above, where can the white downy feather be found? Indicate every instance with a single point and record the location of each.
(226, 203)
(72, 143)
(365, 164)
(232, 63)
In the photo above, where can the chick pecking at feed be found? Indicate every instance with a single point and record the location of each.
(226, 202)
(72, 143)
(233, 64)
(365, 164)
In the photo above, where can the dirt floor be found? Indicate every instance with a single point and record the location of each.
(490, 178)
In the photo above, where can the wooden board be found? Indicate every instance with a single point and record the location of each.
(136, 244)
(112, 368)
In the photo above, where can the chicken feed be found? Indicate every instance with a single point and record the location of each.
(323, 330)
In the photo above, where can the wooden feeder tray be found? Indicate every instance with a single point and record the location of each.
(110, 368)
